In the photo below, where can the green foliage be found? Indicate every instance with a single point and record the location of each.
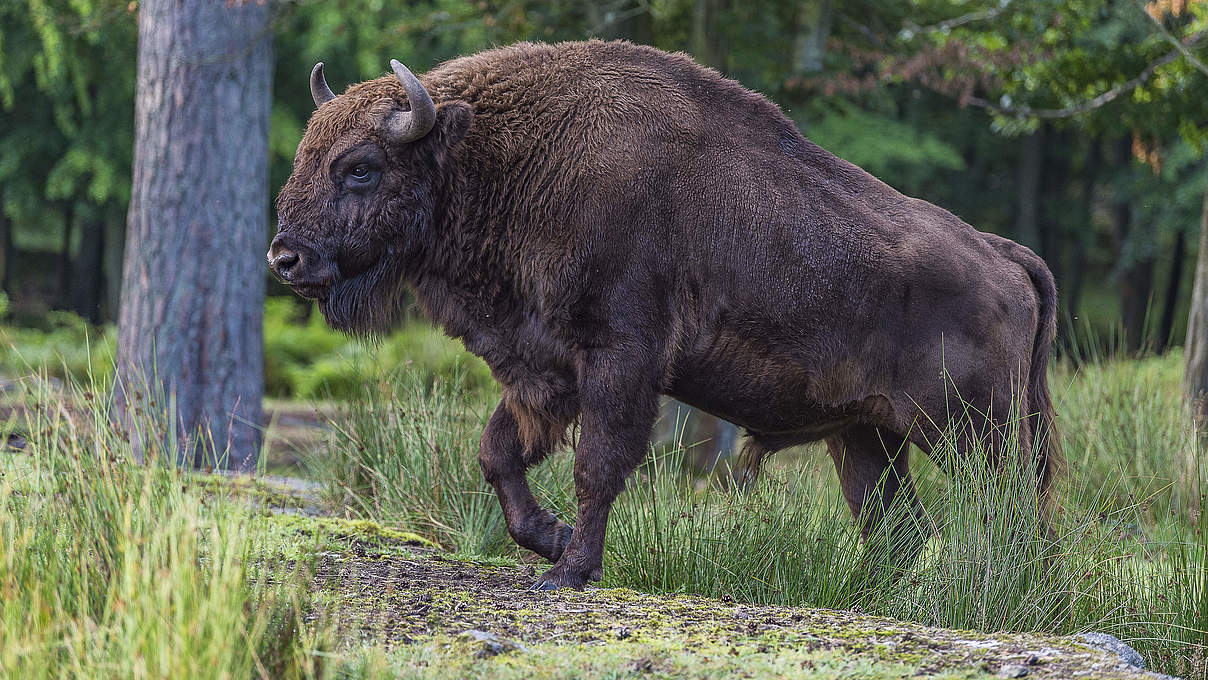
(119, 570)
(67, 347)
(305, 359)
(881, 145)
(66, 118)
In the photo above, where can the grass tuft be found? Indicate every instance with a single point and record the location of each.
(112, 569)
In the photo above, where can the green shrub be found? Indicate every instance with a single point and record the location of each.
(305, 359)
(67, 346)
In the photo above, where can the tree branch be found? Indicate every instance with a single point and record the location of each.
(1170, 38)
(948, 24)
(1098, 101)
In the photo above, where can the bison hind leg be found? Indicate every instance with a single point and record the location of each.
(873, 464)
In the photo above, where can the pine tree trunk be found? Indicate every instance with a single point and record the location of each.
(813, 27)
(1077, 262)
(1174, 286)
(63, 299)
(1027, 208)
(193, 279)
(1195, 377)
(707, 41)
(115, 244)
(88, 273)
(6, 258)
(1136, 276)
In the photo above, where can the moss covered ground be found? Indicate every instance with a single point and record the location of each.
(396, 606)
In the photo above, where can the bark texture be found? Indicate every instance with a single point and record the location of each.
(193, 280)
(1195, 378)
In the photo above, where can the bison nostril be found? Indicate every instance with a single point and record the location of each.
(284, 262)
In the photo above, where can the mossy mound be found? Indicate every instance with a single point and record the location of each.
(400, 607)
(455, 618)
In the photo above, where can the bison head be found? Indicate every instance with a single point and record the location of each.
(359, 206)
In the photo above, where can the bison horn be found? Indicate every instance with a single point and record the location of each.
(318, 86)
(416, 123)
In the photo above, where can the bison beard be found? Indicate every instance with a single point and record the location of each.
(603, 223)
(369, 303)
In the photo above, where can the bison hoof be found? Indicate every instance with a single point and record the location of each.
(558, 578)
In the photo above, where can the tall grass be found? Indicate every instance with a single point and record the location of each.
(407, 453)
(116, 570)
(1129, 556)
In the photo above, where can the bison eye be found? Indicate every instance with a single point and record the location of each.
(361, 178)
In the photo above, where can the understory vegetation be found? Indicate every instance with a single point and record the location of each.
(116, 569)
(111, 569)
(1129, 558)
(303, 357)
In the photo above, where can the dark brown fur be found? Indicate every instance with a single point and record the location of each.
(605, 222)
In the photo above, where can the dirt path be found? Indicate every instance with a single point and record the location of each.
(401, 595)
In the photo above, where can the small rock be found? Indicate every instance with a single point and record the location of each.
(1012, 671)
(1033, 660)
(491, 644)
(1113, 644)
(642, 665)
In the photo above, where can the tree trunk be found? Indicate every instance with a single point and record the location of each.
(1054, 187)
(1077, 265)
(115, 239)
(708, 441)
(1136, 276)
(621, 21)
(88, 273)
(708, 44)
(193, 280)
(63, 299)
(1174, 284)
(1195, 376)
(813, 26)
(6, 257)
(1027, 208)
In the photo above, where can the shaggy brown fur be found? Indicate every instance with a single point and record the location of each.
(604, 222)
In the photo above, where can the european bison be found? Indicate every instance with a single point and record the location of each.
(603, 222)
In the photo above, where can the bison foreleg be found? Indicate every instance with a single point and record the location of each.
(618, 414)
(501, 455)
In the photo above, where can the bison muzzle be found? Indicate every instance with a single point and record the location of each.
(604, 223)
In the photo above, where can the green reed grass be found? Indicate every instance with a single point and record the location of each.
(110, 569)
(1127, 554)
(408, 453)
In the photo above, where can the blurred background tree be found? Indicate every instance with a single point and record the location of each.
(1074, 126)
(192, 302)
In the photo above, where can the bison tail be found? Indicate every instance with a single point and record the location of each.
(1038, 402)
(1046, 447)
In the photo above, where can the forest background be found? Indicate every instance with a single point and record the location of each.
(1076, 127)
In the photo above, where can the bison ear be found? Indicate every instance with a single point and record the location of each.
(453, 119)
